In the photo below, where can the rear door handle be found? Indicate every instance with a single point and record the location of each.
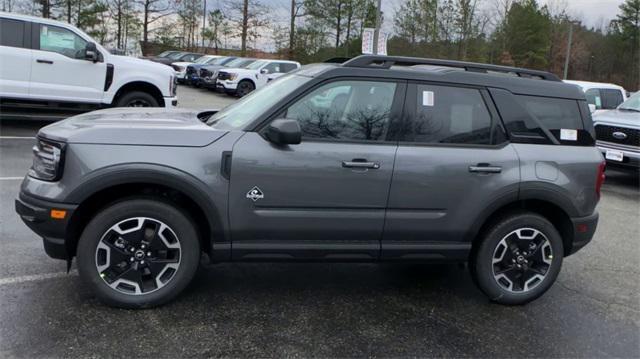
(485, 168)
(360, 164)
(41, 61)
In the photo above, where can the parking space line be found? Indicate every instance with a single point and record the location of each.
(35, 277)
(16, 138)
(11, 178)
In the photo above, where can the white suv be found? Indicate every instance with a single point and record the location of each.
(601, 96)
(50, 69)
(241, 81)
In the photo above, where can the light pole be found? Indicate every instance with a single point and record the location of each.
(568, 55)
(204, 21)
(376, 33)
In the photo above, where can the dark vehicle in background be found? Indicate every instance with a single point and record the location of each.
(209, 74)
(381, 158)
(618, 134)
(179, 56)
(192, 76)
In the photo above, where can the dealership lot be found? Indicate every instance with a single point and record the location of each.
(333, 310)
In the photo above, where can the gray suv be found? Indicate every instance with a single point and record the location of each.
(377, 159)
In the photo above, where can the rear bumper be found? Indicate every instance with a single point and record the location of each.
(583, 230)
(36, 214)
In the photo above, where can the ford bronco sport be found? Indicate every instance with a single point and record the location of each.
(376, 159)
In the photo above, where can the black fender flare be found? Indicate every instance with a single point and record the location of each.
(137, 173)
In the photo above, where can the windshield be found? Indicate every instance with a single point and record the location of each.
(218, 61)
(175, 55)
(256, 65)
(632, 103)
(166, 53)
(238, 63)
(204, 60)
(245, 111)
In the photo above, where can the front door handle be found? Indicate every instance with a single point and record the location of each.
(41, 61)
(485, 168)
(359, 163)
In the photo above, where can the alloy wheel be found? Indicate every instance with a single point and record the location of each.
(139, 103)
(521, 260)
(138, 255)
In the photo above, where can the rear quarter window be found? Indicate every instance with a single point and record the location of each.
(561, 117)
(12, 33)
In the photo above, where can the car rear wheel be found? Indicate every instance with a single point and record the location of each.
(518, 258)
(138, 253)
(137, 99)
(244, 88)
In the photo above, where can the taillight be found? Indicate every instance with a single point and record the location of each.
(600, 179)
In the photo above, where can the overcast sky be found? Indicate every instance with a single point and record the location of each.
(593, 13)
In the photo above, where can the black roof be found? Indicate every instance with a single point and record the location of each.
(517, 80)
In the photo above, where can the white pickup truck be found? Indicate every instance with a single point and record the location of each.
(241, 81)
(51, 70)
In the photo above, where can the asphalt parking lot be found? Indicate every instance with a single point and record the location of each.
(321, 310)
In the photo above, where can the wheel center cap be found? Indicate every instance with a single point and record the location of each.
(519, 259)
(139, 254)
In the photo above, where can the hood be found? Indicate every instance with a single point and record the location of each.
(138, 62)
(618, 117)
(183, 64)
(134, 126)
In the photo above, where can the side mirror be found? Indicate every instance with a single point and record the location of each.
(592, 108)
(284, 132)
(264, 71)
(91, 52)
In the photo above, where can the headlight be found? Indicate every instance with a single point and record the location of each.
(173, 85)
(232, 76)
(47, 160)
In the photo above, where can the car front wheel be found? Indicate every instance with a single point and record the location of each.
(138, 253)
(518, 258)
(137, 99)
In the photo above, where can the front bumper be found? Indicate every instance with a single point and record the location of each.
(36, 214)
(170, 102)
(226, 85)
(583, 230)
(631, 154)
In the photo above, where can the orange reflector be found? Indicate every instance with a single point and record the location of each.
(58, 213)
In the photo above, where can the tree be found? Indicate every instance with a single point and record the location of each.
(628, 22)
(152, 11)
(189, 13)
(526, 32)
(214, 31)
(296, 12)
(249, 17)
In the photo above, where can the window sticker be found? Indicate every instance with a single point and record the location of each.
(568, 134)
(598, 102)
(427, 98)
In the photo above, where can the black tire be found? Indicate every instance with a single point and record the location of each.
(179, 223)
(486, 275)
(244, 88)
(137, 99)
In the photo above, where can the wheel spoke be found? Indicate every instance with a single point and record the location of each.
(138, 255)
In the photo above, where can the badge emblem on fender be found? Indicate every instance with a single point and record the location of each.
(255, 194)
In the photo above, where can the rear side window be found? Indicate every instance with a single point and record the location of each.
(12, 33)
(287, 67)
(604, 99)
(447, 115)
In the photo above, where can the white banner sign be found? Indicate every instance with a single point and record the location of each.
(367, 40)
(382, 43)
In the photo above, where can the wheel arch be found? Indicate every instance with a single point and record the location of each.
(115, 184)
(554, 211)
(143, 86)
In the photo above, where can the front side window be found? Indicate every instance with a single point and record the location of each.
(449, 115)
(345, 110)
(12, 33)
(611, 98)
(273, 68)
(62, 41)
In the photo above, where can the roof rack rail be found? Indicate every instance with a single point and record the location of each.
(385, 62)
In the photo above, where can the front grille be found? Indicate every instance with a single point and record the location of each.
(223, 75)
(205, 73)
(606, 133)
(190, 70)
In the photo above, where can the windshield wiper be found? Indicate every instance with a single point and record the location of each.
(629, 109)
